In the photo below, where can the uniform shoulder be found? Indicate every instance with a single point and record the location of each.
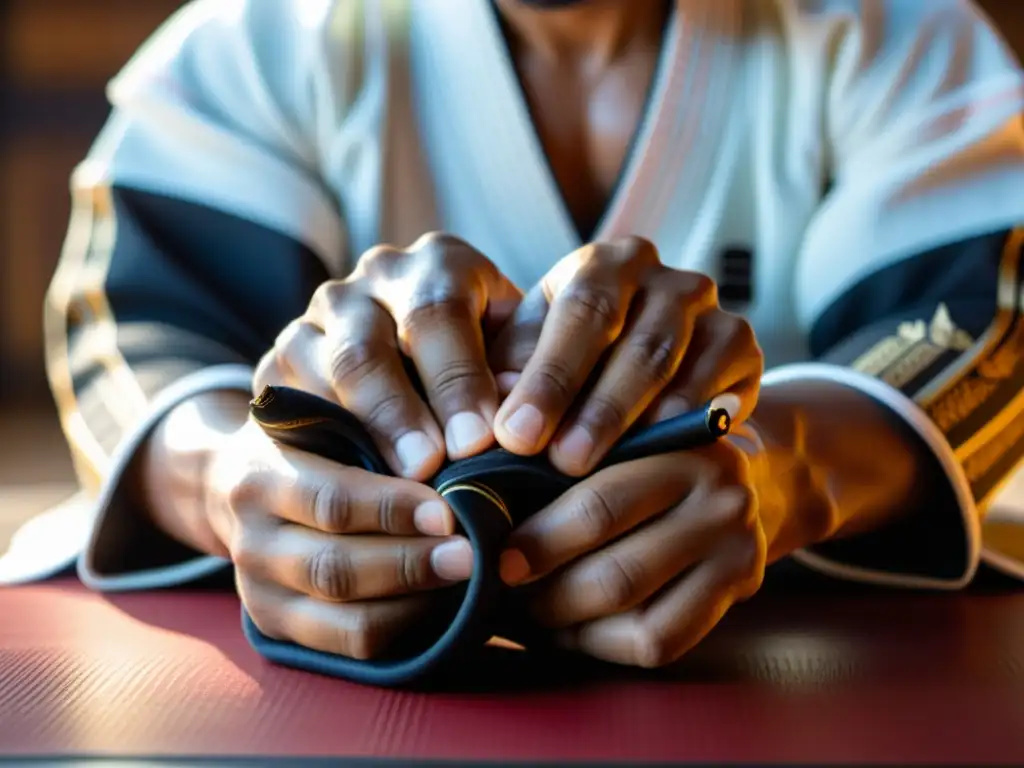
(205, 35)
(256, 66)
(901, 14)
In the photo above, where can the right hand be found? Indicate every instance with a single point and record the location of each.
(335, 558)
(330, 557)
(432, 303)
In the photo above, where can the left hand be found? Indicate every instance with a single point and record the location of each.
(611, 336)
(638, 562)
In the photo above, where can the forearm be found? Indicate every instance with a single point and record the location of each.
(834, 464)
(173, 467)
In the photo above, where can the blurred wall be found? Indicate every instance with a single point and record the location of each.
(56, 57)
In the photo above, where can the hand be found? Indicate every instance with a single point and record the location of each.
(430, 303)
(638, 562)
(611, 336)
(326, 556)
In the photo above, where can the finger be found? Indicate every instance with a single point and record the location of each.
(268, 373)
(514, 344)
(361, 631)
(296, 360)
(446, 344)
(660, 634)
(723, 357)
(642, 363)
(323, 495)
(370, 381)
(628, 572)
(593, 513)
(447, 293)
(590, 293)
(349, 568)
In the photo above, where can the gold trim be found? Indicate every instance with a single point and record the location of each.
(77, 288)
(479, 489)
(1007, 307)
(293, 424)
(993, 361)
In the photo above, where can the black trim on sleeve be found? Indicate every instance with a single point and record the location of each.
(945, 328)
(952, 339)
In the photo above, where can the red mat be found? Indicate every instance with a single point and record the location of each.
(788, 677)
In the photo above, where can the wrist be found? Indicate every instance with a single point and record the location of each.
(178, 463)
(793, 504)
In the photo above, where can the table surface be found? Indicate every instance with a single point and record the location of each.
(798, 673)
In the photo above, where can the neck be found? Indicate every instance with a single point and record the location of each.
(596, 31)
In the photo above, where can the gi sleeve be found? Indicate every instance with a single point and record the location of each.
(909, 280)
(200, 228)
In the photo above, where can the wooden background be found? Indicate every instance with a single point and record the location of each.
(56, 58)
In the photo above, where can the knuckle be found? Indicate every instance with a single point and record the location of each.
(652, 649)
(388, 514)
(329, 574)
(329, 507)
(266, 615)
(241, 485)
(245, 549)
(658, 353)
(739, 508)
(386, 414)
(619, 580)
(439, 243)
(412, 569)
(637, 250)
(556, 379)
(736, 329)
(363, 638)
(445, 253)
(697, 288)
(353, 361)
(594, 515)
(435, 305)
(327, 296)
(380, 260)
(457, 377)
(604, 415)
(590, 304)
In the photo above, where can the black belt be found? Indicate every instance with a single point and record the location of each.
(489, 494)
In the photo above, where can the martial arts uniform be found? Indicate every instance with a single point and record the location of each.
(849, 171)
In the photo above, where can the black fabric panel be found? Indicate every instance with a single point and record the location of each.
(204, 271)
(963, 273)
(912, 324)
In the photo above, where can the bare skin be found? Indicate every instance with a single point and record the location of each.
(344, 561)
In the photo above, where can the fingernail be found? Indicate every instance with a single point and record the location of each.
(526, 424)
(672, 407)
(452, 560)
(577, 447)
(433, 518)
(506, 381)
(465, 433)
(513, 567)
(414, 450)
(729, 402)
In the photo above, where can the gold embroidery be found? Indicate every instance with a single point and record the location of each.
(988, 455)
(77, 296)
(899, 359)
(988, 344)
